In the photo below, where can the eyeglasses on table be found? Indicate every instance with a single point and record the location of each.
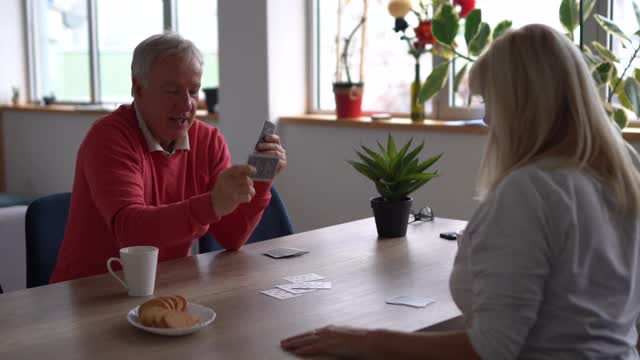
(424, 214)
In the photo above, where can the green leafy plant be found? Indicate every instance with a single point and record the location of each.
(477, 34)
(623, 87)
(422, 41)
(603, 63)
(395, 173)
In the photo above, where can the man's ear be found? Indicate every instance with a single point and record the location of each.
(136, 88)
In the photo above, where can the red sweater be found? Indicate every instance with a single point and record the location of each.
(125, 195)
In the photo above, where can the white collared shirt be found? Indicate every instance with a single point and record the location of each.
(181, 143)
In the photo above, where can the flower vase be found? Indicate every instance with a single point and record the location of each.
(417, 107)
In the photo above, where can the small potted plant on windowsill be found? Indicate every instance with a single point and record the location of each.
(348, 94)
(15, 95)
(396, 174)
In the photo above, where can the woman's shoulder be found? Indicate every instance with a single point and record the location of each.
(550, 176)
(547, 189)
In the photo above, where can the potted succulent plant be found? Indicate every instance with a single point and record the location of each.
(348, 93)
(396, 174)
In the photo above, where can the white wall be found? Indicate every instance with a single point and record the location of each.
(320, 188)
(262, 67)
(40, 150)
(12, 52)
(286, 28)
(244, 101)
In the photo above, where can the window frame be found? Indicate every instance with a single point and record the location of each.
(443, 108)
(169, 12)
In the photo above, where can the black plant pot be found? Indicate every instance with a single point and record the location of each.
(211, 96)
(392, 217)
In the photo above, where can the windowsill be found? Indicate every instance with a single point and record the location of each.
(97, 110)
(631, 133)
(467, 126)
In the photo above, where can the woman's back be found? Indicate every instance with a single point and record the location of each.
(549, 269)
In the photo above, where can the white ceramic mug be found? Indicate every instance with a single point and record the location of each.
(139, 267)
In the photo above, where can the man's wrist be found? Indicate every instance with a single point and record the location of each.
(262, 188)
(201, 210)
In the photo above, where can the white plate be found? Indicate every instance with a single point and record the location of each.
(203, 313)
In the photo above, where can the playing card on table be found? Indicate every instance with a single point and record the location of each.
(289, 288)
(303, 278)
(312, 285)
(266, 166)
(268, 128)
(279, 293)
(413, 301)
(279, 253)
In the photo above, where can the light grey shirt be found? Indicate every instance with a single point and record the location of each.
(549, 269)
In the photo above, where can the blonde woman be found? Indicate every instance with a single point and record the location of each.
(549, 264)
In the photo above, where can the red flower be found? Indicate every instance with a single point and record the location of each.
(423, 33)
(466, 6)
(419, 45)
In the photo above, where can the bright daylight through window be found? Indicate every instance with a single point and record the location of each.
(61, 52)
(389, 68)
(61, 49)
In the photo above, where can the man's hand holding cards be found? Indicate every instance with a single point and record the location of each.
(234, 187)
(268, 128)
(270, 157)
(266, 166)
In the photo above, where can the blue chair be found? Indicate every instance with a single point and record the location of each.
(45, 223)
(274, 223)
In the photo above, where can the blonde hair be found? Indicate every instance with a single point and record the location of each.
(541, 101)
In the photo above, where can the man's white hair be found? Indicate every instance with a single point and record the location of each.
(160, 46)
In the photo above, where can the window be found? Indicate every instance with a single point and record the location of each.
(61, 45)
(116, 42)
(494, 11)
(624, 16)
(197, 20)
(65, 62)
(389, 69)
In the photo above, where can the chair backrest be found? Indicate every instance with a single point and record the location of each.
(46, 220)
(274, 223)
(45, 223)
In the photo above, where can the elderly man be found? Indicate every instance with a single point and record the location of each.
(150, 174)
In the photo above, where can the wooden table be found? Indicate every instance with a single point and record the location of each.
(86, 318)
